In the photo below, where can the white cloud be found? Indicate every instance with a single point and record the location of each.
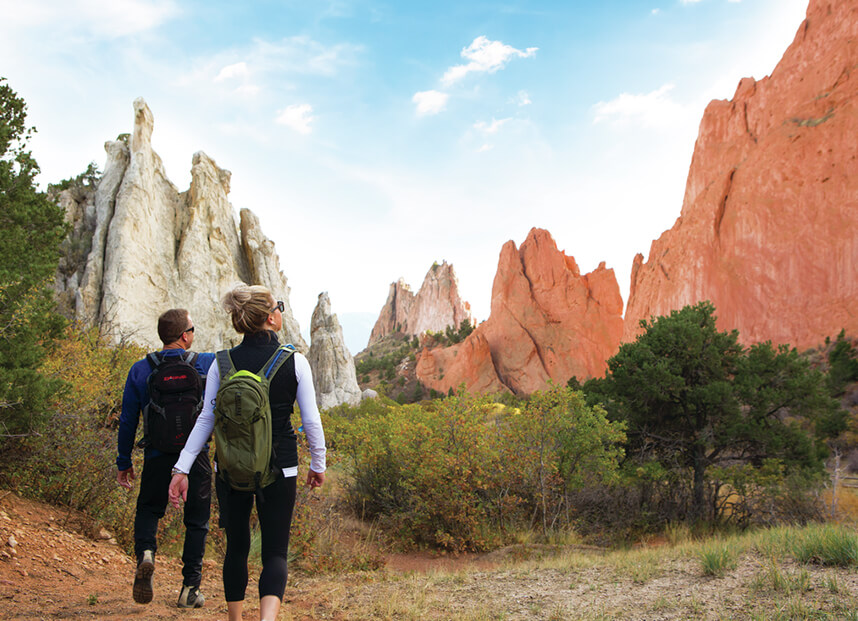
(485, 56)
(689, 1)
(654, 109)
(269, 62)
(656, 11)
(105, 18)
(523, 99)
(301, 54)
(235, 70)
(297, 117)
(490, 128)
(430, 102)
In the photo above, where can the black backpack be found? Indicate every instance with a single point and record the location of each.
(175, 400)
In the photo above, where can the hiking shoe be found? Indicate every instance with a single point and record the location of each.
(190, 597)
(143, 590)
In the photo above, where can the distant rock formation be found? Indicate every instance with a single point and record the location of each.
(547, 322)
(436, 305)
(769, 224)
(395, 312)
(140, 247)
(333, 366)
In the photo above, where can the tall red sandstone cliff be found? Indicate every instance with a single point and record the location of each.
(547, 322)
(769, 224)
(436, 305)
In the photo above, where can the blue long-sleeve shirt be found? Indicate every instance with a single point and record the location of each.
(136, 396)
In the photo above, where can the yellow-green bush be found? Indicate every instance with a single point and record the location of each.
(465, 473)
(73, 461)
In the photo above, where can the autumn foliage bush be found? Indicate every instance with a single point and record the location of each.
(466, 473)
(72, 462)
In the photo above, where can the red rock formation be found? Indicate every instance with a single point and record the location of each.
(468, 362)
(547, 322)
(769, 224)
(436, 305)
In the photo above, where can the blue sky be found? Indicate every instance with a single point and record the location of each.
(374, 138)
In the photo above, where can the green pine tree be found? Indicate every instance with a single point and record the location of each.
(31, 229)
(695, 398)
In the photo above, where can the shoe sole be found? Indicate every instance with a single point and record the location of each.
(143, 591)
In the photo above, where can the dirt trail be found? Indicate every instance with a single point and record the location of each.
(55, 570)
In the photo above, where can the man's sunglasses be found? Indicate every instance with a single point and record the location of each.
(280, 305)
(191, 329)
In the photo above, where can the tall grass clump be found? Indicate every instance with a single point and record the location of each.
(717, 558)
(826, 544)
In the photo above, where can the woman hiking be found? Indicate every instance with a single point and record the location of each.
(258, 317)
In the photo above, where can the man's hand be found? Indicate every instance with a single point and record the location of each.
(315, 479)
(178, 489)
(124, 477)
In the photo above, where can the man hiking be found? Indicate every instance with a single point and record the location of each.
(167, 388)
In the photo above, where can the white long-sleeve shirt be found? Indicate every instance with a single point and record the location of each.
(310, 419)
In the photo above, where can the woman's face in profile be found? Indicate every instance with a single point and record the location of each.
(276, 317)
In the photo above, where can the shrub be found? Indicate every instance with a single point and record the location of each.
(769, 494)
(81, 436)
(555, 445)
(464, 473)
(843, 365)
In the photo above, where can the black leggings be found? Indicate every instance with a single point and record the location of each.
(274, 510)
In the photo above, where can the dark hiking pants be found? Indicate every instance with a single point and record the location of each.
(152, 504)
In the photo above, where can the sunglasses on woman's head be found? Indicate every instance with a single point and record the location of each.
(280, 306)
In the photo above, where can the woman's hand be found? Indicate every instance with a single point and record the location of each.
(178, 489)
(315, 479)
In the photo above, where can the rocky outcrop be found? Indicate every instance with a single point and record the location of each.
(469, 363)
(152, 248)
(436, 306)
(547, 322)
(333, 367)
(264, 266)
(395, 312)
(769, 224)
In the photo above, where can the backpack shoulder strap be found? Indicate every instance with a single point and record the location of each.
(276, 360)
(224, 364)
(153, 359)
(191, 358)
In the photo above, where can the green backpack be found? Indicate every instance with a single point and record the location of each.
(242, 422)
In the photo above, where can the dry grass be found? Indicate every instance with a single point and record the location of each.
(761, 581)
